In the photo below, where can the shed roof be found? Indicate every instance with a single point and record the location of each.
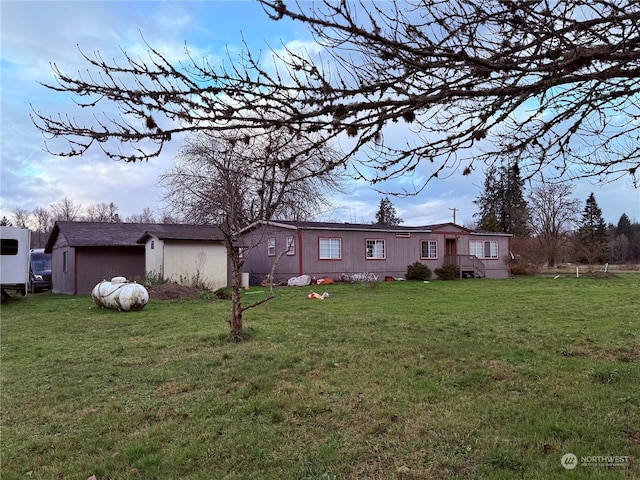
(102, 234)
(175, 231)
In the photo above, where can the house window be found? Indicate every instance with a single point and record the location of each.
(429, 249)
(483, 248)
(271, 247)
(375, 249)
(153, 244)
(65, 261)
(291, 246)
(330, 248)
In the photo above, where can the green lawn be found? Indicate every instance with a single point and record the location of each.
(402, 380)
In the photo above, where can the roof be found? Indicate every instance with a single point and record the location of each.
(367, 227)
(175, 231)
(102, 234)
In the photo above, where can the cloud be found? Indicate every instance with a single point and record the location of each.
(36, 33)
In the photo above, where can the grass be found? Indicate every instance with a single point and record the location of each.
(464, 379)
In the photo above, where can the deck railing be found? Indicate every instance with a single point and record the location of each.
(466, 264)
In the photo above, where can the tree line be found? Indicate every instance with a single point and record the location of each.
(549, 225)
(41, 220)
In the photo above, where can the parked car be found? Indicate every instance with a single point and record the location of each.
(40, 273)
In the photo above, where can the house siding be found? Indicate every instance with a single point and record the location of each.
(154, 258)
(88, 266)
(184, 262)
(62, 281)
(96, 264)
(401, 250)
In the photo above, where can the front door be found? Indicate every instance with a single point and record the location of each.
(450, 251)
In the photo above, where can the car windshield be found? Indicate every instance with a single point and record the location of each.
(40, 262)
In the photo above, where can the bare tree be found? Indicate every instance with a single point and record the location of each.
(103, 212)
(66, 210)
(43, 225)
(146, 216)
(552, 214)
(551, 84)
(21, 217)
(232, 180)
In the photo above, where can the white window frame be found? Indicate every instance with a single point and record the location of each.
(291, 245)
(485, 249)
(376, 249)
(332, 249)
(431, 254)
(271, 246)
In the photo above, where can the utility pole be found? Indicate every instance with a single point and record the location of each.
(454, 213)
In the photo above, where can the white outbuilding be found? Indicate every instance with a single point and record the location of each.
(192, 255)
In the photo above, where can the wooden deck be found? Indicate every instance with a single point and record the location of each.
(468, 265)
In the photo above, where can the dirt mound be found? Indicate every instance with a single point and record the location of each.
(172, 291)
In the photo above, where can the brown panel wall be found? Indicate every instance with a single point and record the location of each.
(102, 263)
(62, 281)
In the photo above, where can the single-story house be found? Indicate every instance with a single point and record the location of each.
(85, 253)
(323, 249)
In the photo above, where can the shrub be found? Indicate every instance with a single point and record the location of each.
(418, 271)
(223, 293)
(447, 272)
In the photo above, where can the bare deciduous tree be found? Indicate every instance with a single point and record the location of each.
(102, 212)
(551, 84)
(146, 216)
(43, 225)
(233, 180)
(21, 217)
(552, 214)
(66, 210)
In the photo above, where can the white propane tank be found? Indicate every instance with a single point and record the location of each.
(119, 294)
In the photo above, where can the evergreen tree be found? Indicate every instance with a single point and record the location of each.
(489, 202)
(386, 214)
(502, 205)
(591, 243)
(624, 226)
(625, 241)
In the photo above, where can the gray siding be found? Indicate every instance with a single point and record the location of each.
(97, 264)
(87, 266)
(401, 250)
(62, 281)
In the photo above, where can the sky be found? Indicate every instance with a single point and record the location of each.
(35, 34)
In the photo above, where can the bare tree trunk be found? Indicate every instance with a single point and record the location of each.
(235, 323)
(236, 333)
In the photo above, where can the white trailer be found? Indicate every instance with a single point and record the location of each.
(14, 269)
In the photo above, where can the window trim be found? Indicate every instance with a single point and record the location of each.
(374, 250)
(291, 245)
(422, 257)
(338, 239)
(484, 243)
(271, 247)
